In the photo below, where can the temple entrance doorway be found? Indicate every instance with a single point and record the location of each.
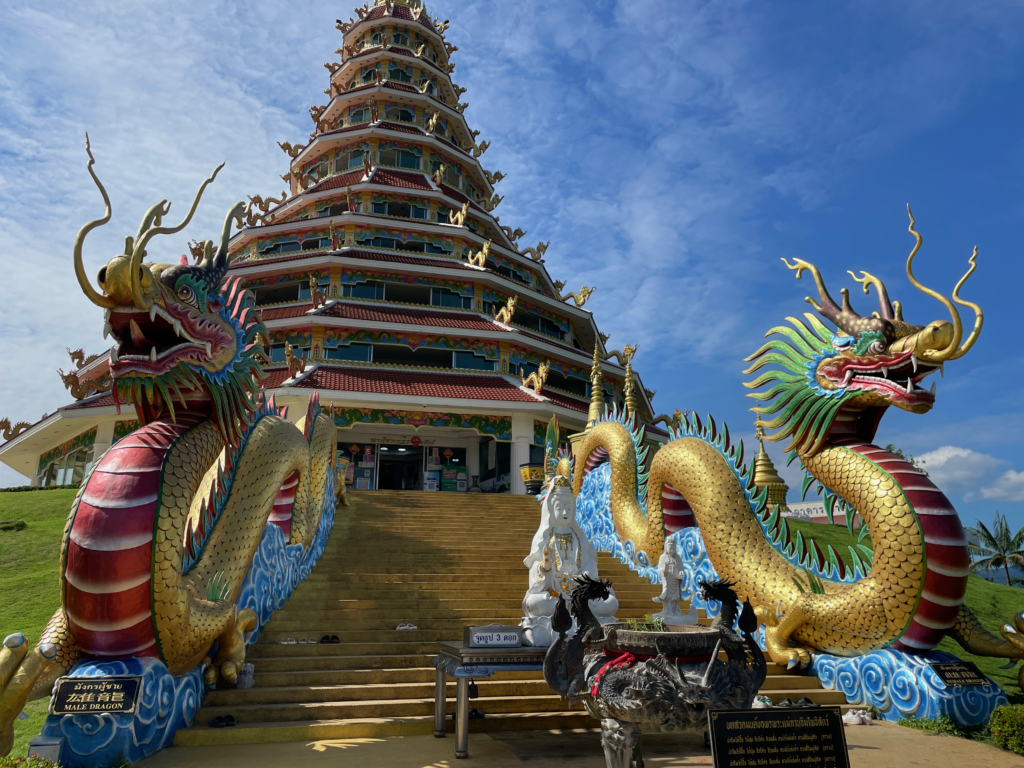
(401, 468)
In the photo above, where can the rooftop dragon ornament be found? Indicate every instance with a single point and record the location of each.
(161, 535)
(826, 391)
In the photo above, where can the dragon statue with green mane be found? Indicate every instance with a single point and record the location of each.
(826, 390)
(162, 535)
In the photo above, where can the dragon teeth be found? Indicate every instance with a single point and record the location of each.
(913, 361)
(209, 351)
(152, 354)
(885, 372)
(152, 313)
(910, 386)
(932, 390)
(113, 354)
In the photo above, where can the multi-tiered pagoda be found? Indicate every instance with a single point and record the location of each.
(388, 284)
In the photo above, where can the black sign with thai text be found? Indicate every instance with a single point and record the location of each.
(94, 695)
(805, 737)
(959, 673)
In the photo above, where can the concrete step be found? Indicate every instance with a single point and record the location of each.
(389, 707)
(356, 728)
(304, 694)
(328, 663)
(364, 677)
(474, 615)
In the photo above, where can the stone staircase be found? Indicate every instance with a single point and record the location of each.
(440, 561)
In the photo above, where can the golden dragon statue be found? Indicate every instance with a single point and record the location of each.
(161, 535)
(82, 389)
(579, 297)
(538, 378)
(479, 259)
(505, 314)
(537, 254)
(7, 432)
(826, 392)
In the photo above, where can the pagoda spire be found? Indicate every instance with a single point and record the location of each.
(765, 474)
(596, 387)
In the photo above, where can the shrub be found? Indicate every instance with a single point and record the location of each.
(943, 724)
(1007, 728)
(13, 525)
(26, 762)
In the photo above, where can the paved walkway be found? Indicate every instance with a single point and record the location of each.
(878, 746)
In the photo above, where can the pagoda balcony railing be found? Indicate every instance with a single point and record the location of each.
(376, 161)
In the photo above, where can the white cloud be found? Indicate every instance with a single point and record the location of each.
(1008, 487)
(958, 469)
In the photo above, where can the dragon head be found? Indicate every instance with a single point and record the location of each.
(180, 331)
(841, 382)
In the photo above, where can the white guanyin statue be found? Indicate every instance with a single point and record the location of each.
(670, 569)
(560, 551)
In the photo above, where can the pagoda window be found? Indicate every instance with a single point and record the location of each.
(361, 115)
(277, 294)
(391, 243)
(430, 87)
(470, 361)
(418, 212)
(355, 157)
(452, 177)
(285, 247)
(443, 216)
(402, 293)
(401, 114)
(377, 38)
(443, 297)
(400, 158)
(400, 37)
(512, 275)
(68, 470)
(316, 243)
(369, 75)
(548, 328)
(368, 290)
(335, 209)
(393, 354)
(397, 73)
(440, 129)
(571, 385)
(355, 352)
(473, 225)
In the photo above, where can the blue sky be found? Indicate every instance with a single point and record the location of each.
(671, 151)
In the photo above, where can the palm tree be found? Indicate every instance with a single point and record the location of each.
(997, 548)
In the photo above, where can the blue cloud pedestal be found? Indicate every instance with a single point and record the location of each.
(165, 704)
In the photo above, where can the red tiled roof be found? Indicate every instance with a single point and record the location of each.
(409, 315)
(401, 179)
(276, 313)
(276, 260)
(397, 12)
(346, 129)
(402, 127)
(415, 383)
(338, 181)
(360, 87)
(99, 402)
(399, 86)
(455, 194)
(565, 401)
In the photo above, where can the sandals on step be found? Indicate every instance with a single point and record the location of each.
(287, 641)
(223, 721)
(406, 626)
(329, 640)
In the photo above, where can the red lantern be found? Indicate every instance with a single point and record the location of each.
(416, 441)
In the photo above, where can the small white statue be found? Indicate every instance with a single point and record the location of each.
(560, 551)
(670, 569)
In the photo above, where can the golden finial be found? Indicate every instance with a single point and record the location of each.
(629, 388)
(596, 387)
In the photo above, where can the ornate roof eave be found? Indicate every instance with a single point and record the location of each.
(394, 50)
(424, 22)
(500, 333)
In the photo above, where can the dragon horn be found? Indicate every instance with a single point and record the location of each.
(884, 305)
(91, 293)
(215, 267)
(148, 232)
(844, 317)
(953, 349)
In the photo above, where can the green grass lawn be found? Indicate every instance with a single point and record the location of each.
(29, 569)
(993, 604)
